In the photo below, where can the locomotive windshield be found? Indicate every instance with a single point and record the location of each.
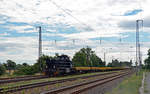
(63, 58)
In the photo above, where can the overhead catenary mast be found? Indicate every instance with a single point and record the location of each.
(120, 40)
(73, 44)
(40, 42)
(138, 52)
(40, 46)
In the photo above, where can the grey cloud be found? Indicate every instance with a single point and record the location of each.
(127, 24)
(113, 2)
(132, 24)
(147, 22)
(10, 47)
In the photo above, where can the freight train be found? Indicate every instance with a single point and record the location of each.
(63, 65)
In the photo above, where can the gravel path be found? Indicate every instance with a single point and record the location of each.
(147, 82)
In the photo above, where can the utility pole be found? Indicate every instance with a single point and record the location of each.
(100, 40)
(138, 52)
(104, 57)
(40, 42)
(40, 46)
(73, 41)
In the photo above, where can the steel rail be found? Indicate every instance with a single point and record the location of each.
(28, 86)
(103, 80)
(22, 79)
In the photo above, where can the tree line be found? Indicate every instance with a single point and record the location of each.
(116, 63)
(85, 57)
(17, 69)
(25, 68)
(147, 61)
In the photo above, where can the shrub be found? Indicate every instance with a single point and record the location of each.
(2, 69)
(25, 70)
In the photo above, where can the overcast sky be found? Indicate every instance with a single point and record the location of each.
(74, 24)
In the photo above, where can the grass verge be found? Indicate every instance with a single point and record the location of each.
(130, 85)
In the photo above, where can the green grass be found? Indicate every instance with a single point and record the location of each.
(145, 90)
(145, 84)
(6, 75)
(130, 85)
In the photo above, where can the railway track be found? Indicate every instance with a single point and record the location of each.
(24, 78)
(8, 78)
(17, 79)
(40, 84)
(82, 87)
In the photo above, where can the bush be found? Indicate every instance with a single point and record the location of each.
(36, 68)
(2, 69)
(25, 70)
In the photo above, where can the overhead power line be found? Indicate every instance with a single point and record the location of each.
(59, 7)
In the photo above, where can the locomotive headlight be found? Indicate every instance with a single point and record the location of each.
(67, 70)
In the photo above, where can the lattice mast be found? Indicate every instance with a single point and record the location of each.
(138, 52)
